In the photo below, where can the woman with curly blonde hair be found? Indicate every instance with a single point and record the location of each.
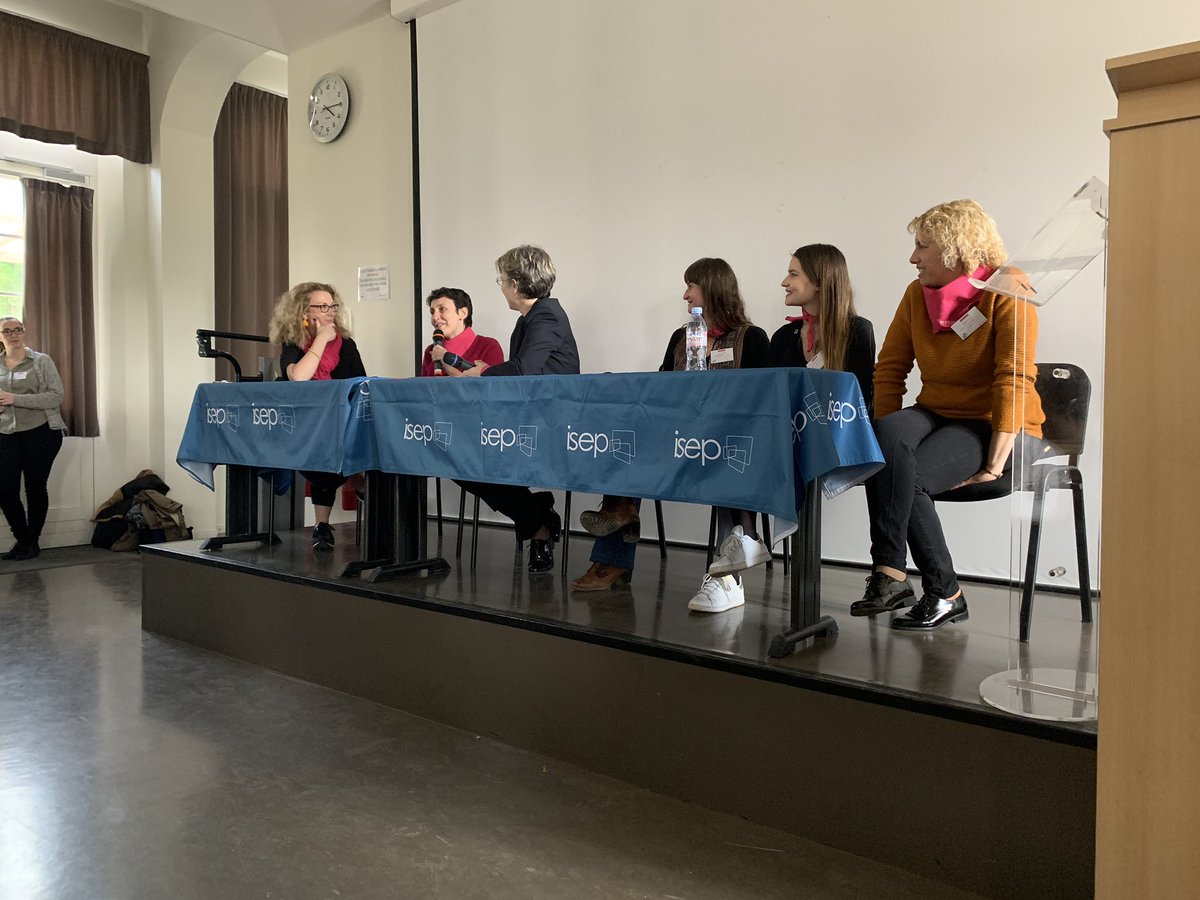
(310, 323)
(975, 350)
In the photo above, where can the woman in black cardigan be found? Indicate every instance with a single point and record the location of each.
(828, 333)
(310, 324)
(541, 344)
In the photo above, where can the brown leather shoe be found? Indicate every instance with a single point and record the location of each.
(601, 578)
(603, 522)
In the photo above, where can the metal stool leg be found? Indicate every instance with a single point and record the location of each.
(566, 531)
(475, 532)
(766, 536)
(662, 532)
(1081, 550)
(712, 536)
(462, 513)
(437, 492)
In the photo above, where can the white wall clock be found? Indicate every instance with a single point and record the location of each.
(328, 107)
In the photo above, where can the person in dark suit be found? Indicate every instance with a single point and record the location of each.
(541, 344)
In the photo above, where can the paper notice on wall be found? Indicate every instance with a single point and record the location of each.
(374, 283)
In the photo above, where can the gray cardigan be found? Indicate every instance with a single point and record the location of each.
(38, 394)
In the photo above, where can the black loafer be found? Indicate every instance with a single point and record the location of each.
(883, 594)
(541, 552)
(541, 555)
(932, 613)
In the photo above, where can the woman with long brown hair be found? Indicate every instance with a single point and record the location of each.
(734, 342)
(828, 333)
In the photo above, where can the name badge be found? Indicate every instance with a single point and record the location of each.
(724, 355)
(968, 324)
(19, 376)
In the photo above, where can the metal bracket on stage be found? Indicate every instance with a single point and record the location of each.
(393, 539)
(241, 511)
(806, 618)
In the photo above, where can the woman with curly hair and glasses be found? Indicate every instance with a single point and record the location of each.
(975, 350)
(310, 323)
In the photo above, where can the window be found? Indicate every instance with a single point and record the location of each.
(12, 246)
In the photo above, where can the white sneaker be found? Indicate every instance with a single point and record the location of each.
(740, 551)
(717, 595)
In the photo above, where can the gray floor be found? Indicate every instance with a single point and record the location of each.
(132, 766)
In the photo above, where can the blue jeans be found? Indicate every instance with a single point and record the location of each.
(613, 550)
(924, 454)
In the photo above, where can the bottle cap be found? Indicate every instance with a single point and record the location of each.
(697, 310)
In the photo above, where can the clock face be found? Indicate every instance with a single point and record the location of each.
(328, 107)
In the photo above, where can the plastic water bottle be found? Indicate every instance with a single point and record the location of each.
(697, 342)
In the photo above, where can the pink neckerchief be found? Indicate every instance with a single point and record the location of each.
(329, 359)
(946, 305)
(460, 343)
(714, 333)
(806, 316)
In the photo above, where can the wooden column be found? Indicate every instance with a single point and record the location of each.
(1148, 769)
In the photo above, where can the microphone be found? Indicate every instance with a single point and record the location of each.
(451, 359)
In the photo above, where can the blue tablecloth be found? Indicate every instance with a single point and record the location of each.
(749, 439)
(281, 424)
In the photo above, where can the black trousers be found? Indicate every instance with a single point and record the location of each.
(29, 454)
(324, 486)
(924, 454)
(529, 511)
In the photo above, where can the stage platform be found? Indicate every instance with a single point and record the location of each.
(874, 742)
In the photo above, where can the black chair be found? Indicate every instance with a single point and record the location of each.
(1065, 391)
(462, 509)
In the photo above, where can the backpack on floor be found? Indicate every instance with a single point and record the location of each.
(113, 525)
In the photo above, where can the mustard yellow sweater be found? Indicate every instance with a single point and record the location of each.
(989, 376)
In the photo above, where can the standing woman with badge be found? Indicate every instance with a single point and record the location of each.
(31, 434)
(310, 324)
(975, 350)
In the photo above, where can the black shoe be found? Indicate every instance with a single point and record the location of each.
(932, 613)
(322, 536)
(22, 550)
(541, 555)
(541, 552)
(884, 594)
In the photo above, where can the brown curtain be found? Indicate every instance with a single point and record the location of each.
(62, 88)
(58, 293)
(250, 209)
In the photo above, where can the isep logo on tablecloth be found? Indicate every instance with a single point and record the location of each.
(523, 437)
(440, 433)
(222, 416)
(272, 417)
(622, 445)
(736, 450)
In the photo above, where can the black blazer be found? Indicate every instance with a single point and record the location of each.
(541, 343)
(860, 353)
(350, 364)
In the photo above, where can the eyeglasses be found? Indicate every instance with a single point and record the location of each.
(12, 332)
(501, 279)
(325, 307)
